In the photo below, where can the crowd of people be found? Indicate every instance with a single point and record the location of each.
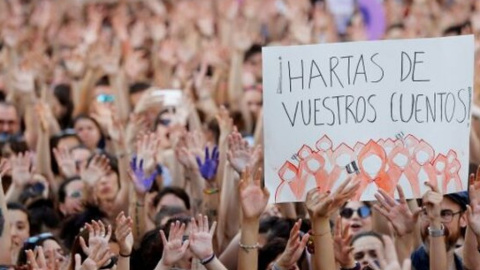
(131, 137)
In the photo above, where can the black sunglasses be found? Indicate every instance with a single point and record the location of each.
(362, 212)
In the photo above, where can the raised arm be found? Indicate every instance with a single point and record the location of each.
(404, 221)
(253, 200)
(438, 251)
(320, 206)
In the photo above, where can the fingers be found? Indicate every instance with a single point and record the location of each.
(78, 262)
(84, 246)
(164, 238)
(42, 263)
(31, 259)
(407, 264)
(434, 187)
(212, 229)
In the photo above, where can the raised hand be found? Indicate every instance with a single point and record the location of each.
(98, 250)
(208, 168)
(22, 168)
(96, 169)
(65, 161)
(341, 245)
(123, 233)
(294, 249)
(253, 197)
(473, 210)
(147, 148)
(323, 204)
(141, 181)
(5, 166)
(37, 260)
(173, 248)
(398, 213)
(24, 82)
(201, 237)
(432, 200)
(240, 155)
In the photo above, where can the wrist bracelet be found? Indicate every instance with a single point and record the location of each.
(247, 248)
(208, 259)
(210, 191)
(436, 232)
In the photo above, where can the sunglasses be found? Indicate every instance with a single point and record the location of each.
(34, 239)
(362, 212)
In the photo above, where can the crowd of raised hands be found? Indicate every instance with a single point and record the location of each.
(131, 136)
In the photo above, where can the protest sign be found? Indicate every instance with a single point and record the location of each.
(383, 112)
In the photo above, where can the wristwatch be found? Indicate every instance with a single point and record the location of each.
(436, 232)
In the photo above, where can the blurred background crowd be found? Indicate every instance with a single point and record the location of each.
(127, 127)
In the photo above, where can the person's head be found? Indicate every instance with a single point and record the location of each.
(136, 91)
(89, 132)
(150, 250)
(395, 31)
(367, 246)
(49, 244)
(66, 138)
(357, 216)
(253, 61)
(62, 104)
(107, 187)
(70, 196)
(253, 99)
(172, 196)
(9, 119)
(43, 217)
(453, 207)
(269, 253)
(19, 224)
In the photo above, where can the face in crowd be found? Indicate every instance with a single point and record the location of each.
(357, 216)
(366, 248)
(453, 219)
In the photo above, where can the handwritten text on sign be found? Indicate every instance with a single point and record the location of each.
(397, 111)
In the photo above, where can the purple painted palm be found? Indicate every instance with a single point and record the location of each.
(208, 168)
(143, 183)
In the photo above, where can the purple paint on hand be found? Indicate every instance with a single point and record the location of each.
(145, 183)
(208, 168)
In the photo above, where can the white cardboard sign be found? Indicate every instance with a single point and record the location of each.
(384, 112)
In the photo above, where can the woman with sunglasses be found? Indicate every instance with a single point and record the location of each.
(357, 216)
(49, 244)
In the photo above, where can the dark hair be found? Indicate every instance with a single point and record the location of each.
(74, 224)
(102, 142)
(62, 193)
(169, 211)
(276, 227)
(456, 30)
(138, 87)
(369, 233)
(55, 140)
(253, 50)
(176, 191)
(103, 81)
(150, 251)
(42, 213)
(63, 93)
(270, 251)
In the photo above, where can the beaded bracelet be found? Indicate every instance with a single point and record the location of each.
(248, 247)
(210, 191)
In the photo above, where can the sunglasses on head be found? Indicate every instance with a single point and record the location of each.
(36, 238)
(362, 212)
